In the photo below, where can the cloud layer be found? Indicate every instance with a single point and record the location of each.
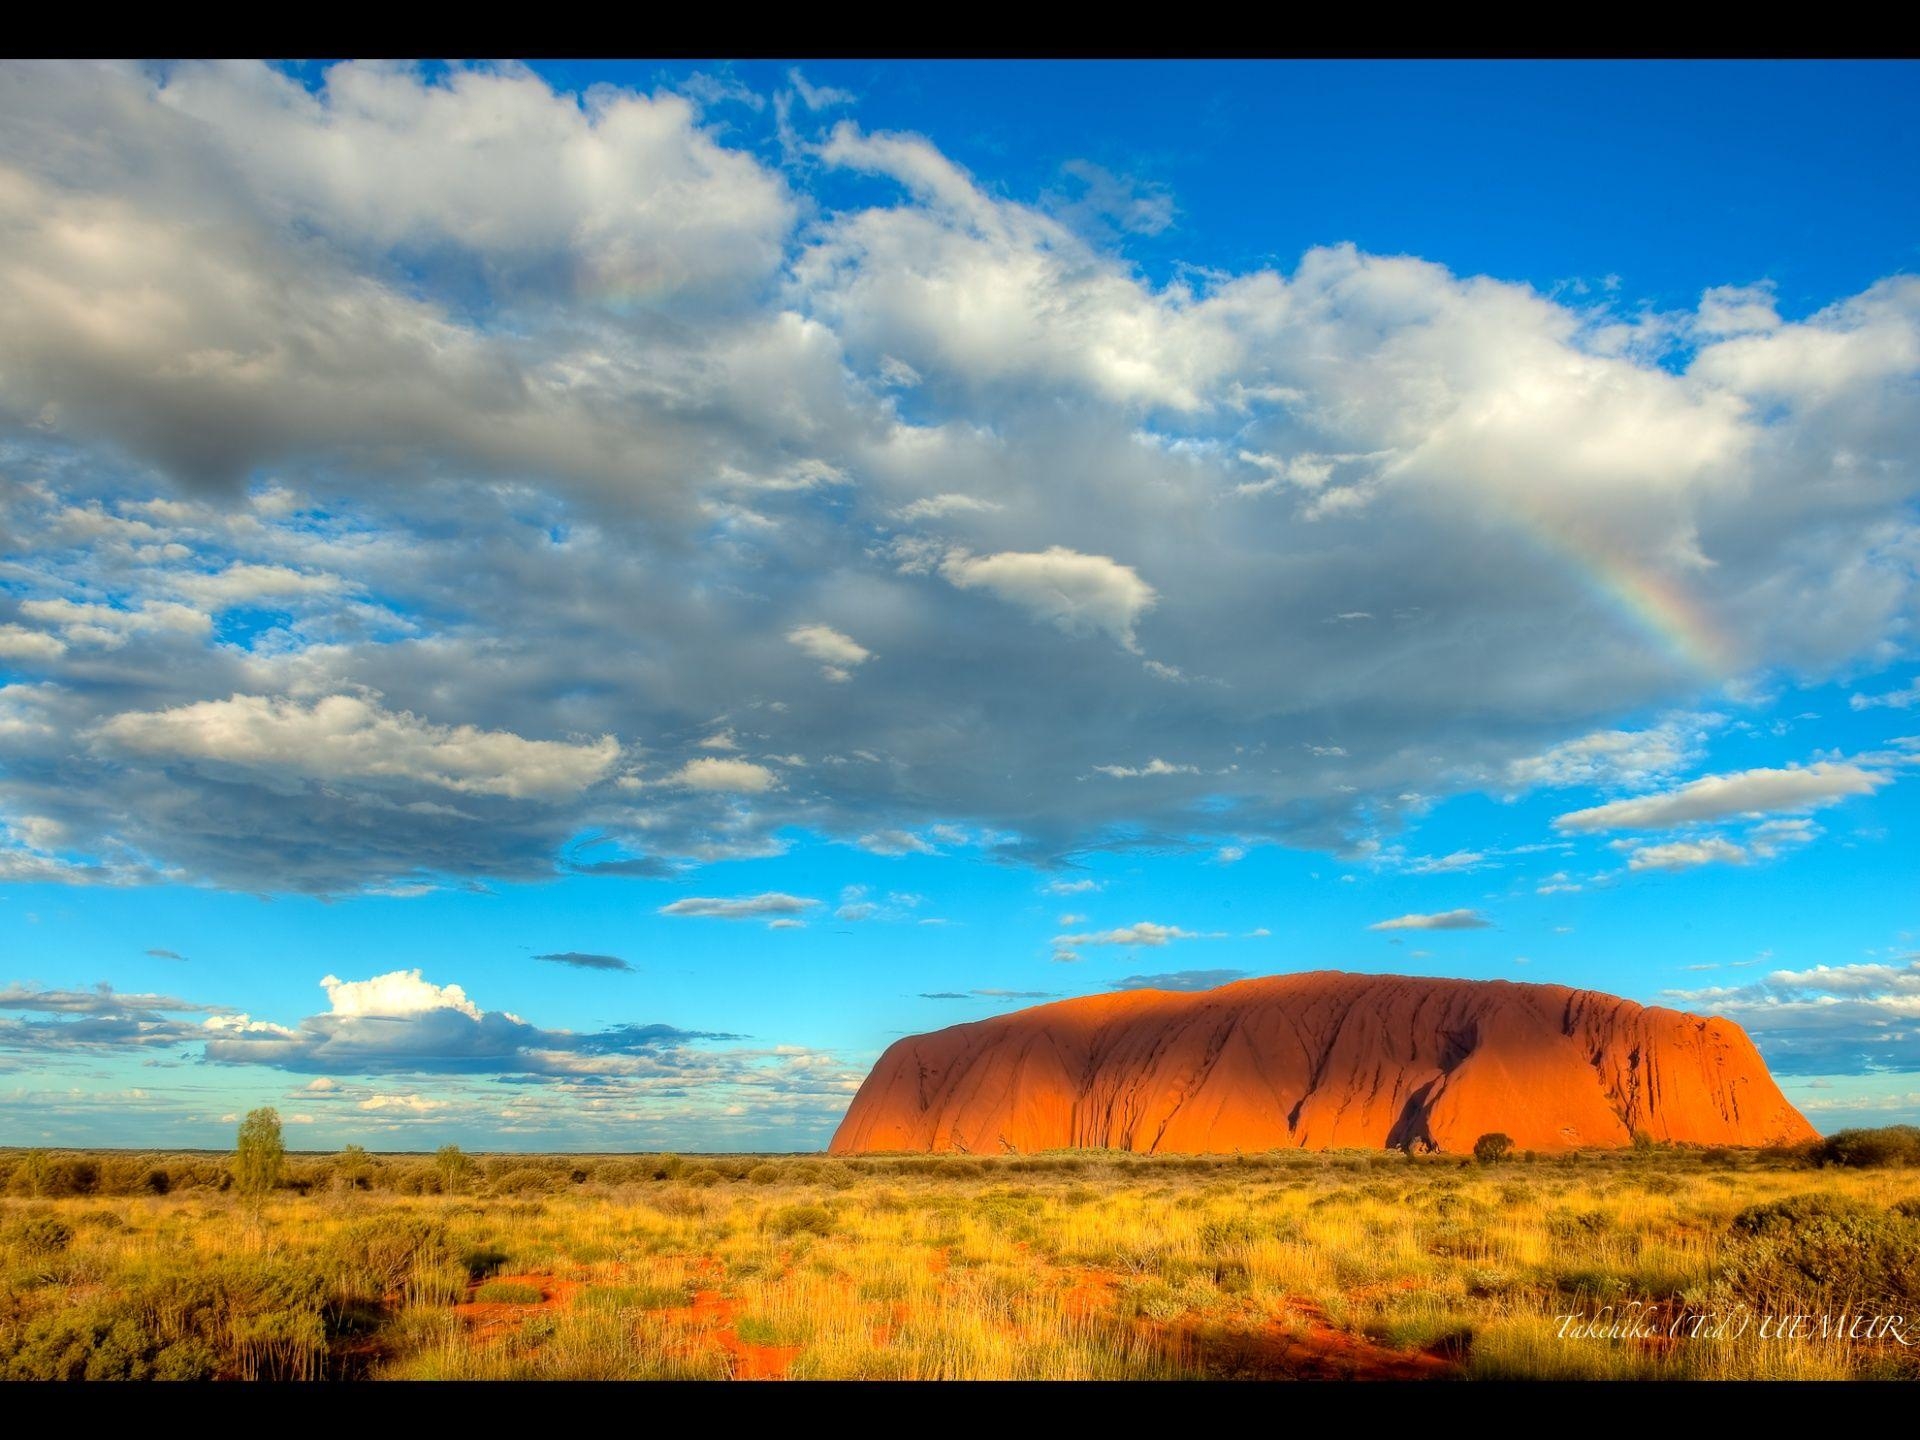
(411, 478)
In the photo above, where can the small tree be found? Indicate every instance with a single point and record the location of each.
(453, 1166)
(353, 1167)
(260, 1156)
(1492, 1148)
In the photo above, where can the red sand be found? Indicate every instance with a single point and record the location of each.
(1320, 1060)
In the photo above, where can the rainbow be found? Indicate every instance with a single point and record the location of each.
(1650, 600)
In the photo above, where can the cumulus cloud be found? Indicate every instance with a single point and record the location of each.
(1720, 797)
(895, 842)
(725, 776)
(1827, 1019)
(1080, 594)
(1773, 837)
(1676, 855)
(243, 583)
(325, 352)
(1609, 758)
(350, 737)
(402, 1022)
(838, 654)
(19, 643)
(1155, 766)
(1443, 920)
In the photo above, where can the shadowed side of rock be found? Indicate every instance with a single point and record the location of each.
(1321, 1060)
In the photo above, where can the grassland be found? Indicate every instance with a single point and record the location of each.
(1068, 1266)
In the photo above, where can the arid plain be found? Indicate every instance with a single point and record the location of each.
(1648, 1262)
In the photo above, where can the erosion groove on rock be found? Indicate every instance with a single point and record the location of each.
(1320, 1060)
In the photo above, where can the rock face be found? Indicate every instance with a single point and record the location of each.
(1320, 1060)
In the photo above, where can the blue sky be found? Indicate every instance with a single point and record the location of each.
(832, 551)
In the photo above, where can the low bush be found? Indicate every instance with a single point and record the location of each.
(38, 1236)
(800, 1219)
(1891, 1145)
(1817, 1249)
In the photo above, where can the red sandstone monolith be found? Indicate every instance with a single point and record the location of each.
(1319, 1060)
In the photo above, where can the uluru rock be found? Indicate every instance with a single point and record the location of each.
(1320, 1060)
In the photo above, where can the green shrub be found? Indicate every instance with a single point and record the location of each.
(259, 1155)
(1493, 1147)
(704, 1178)
(1821, 1249)
(523, 1180)
(799, 1219)
(1891, 1145)
(104, 1342)
(764, 1175)
(1234, 1233)
(40, 1235)
(242, 1318)
(389, 1249)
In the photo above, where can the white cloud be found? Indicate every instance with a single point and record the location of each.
(575, 344)
(838, 654)
(819, 97)
(1632, 758)
(344, 737)
(1771, 837)
(1142, 932)
(724, 776)
(771, 905)
(19, 643)
(108, 627)
(1905, 699)
(939, 507)
(1448, 864)
(1719, 797)
(397, 993)
(1070, 887)
(1727, 310)
(895, 842)
(1686, 854)
(410, 1104)
(494, 161)
(245, 583)
(1443, 920)
(1827, 1019)
(1080, 594)
(1155, 766)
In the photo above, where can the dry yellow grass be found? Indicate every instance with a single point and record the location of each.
(1073, 1267)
